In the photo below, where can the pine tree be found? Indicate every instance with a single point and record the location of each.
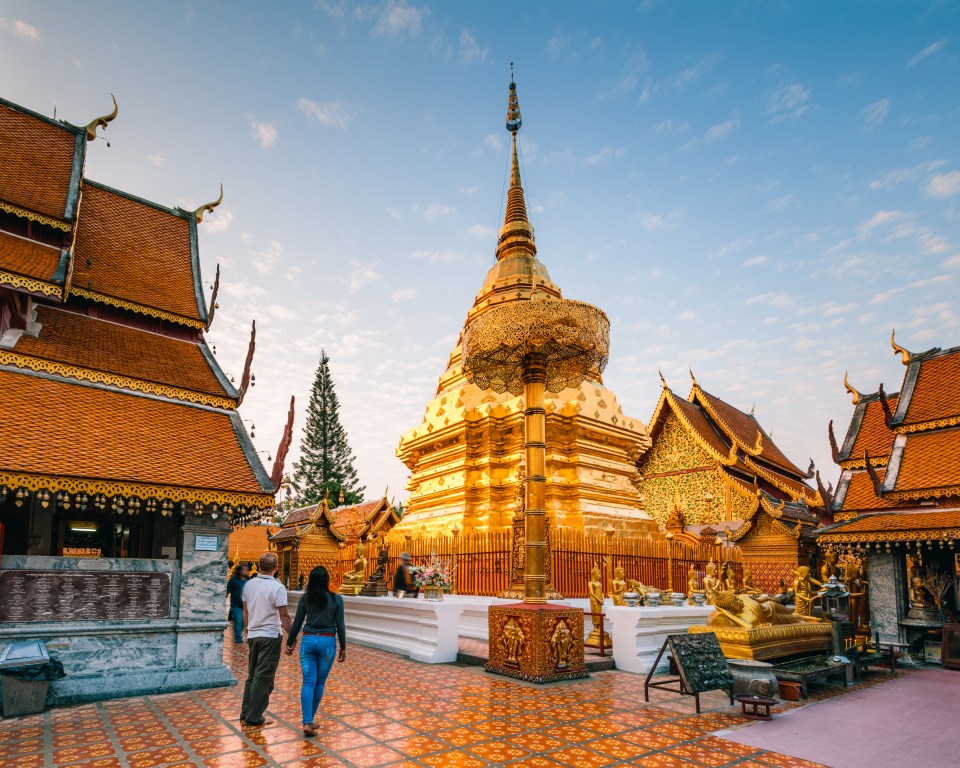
(326, 461)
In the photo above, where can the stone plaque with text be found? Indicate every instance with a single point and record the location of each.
(83, 596)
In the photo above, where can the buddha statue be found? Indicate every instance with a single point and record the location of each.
(353, 580)
(728, 580)
(857, 587)
(747, 611)
(618, 586)
(829, 566)
(804, 594)
(710, 581)
(595, 593)
(748, 587)
(693, 584)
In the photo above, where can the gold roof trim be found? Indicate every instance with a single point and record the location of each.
(925, 493)
(875, 461)
(727, 460)
(115, 380)
(919, 534)
(923, 426)
(775, 480)
(23, 213)
(76, 485)
(704, 402)
(139, 308)
(30, 284)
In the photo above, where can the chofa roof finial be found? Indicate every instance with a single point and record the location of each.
(101, 122)
(898, 350)
(208, 207)
(853, 393)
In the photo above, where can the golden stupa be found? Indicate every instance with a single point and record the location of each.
(466, 456)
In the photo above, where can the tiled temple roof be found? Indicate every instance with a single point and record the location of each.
(868, 431)
(33, 260)
(895, 526)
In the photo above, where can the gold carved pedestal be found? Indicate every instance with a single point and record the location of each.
(539, 643)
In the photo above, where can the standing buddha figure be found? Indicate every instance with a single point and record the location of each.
(803, 593)
(618, 586)
(710, 581)
(595, 592)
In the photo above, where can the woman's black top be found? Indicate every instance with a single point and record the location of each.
(326, 621)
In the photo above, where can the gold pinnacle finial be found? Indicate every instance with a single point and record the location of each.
(853, 393)
(208, 207)
(516, 234)
(692, 377)
(898, 350)
(101, 122)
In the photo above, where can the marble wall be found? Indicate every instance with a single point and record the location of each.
(886, 576)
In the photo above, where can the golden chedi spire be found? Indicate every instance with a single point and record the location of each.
(516, 234)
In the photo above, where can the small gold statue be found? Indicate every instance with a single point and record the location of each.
(829, 566)
(560, 643)
(857, 587)
(803, 592)
(693, 584)
(710, 581)
(512, 638)
(728, 579)
(595, 592)
(618, 586)
(748, 587)
(353, 581)
(749, 612)
(918, 593)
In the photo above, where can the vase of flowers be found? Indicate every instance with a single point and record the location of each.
(434, 578)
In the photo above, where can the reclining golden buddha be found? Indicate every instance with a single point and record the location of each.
(758, 627)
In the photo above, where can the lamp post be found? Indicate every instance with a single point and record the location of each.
(456, 548)
(670, 562)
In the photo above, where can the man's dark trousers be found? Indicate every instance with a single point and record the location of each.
(262, 664)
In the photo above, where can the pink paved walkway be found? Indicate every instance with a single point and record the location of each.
(910, 721)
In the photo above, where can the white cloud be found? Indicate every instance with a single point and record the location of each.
(775, 299)
(782, 203)
(556, 45)
(218, 221)
(436, 211)
(361, 274)
(692, 74)
(156, 158)
(756, 261)
(944, 184)
(670, 126)
(891, 179)
(493, 141)
(656, 222)
(25, 32)
(688, 315)
(920, 142)
(445, 256)
(721, 130)
(873, 115)
(264, 133)
(331, 113)
(629, 77)
(603, 155)
(398, 19)
(931, 49)
(393, 213)
(238, 289)
(404, 294)
(480, 232)
(788, 102)
(467, 191)
(470, 50)
(266, 259)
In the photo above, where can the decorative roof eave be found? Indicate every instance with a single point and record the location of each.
(776, 511)
(114, 380)
(923, 426)
(697, 396)
(195, 268)
(942, 534)
(250, 452)
(32, 285)
(124, 488)
(25, 213)
(728, 459)
(923, 493)
(139, 308)
(875, 461)
(810, 497)
(218, 371)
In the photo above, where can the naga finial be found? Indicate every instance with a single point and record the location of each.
(898, 350)
(208, 207)
(101, 122)
(514, 121)
(692, 377)
(853, 393)
(663, 381)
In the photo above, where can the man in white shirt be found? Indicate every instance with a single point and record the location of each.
(264, 615)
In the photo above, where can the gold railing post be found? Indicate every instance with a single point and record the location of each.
(609, 531)
(535, 422)
(670, 561)
(456, 552)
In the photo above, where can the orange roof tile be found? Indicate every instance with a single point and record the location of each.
(50, 426)
(85, 342)
(249, 542)
(699, 422)
(936, 394)
(352, 521)
(860, 494)
(874, 435)
(930, 460)
(299, 515)
(746, 429)
(28, 258)
(139, 252)
(887, 525)
(37, 162)
(781, 481)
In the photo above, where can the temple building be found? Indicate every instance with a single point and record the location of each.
(123, 459)
(714, 471)
(313, 535)
(466, 456)
(897, 503)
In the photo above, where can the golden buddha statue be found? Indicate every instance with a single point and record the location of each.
(803, 591)
(693, 584)
(728, 579)
(710, 581)
(829, 566)
(742, 610)
(618, 586)
(354, 580)
(748, 587)
(560, 642)
(595, 593)
(857, 587)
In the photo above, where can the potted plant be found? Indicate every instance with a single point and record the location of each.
(434, 578)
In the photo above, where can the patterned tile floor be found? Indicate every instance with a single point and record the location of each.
(382, 710)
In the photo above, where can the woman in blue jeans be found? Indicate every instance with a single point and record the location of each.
(320, 614)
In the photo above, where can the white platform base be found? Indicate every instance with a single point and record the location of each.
(638, 633)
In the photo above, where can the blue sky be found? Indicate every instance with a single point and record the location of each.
(758, 190)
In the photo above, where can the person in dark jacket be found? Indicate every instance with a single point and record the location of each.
(235, 590)
(403, 578)
(320, 614)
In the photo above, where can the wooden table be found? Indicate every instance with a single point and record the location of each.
(759, 706)
(805, 671)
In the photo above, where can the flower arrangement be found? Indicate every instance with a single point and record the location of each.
(436, 573)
